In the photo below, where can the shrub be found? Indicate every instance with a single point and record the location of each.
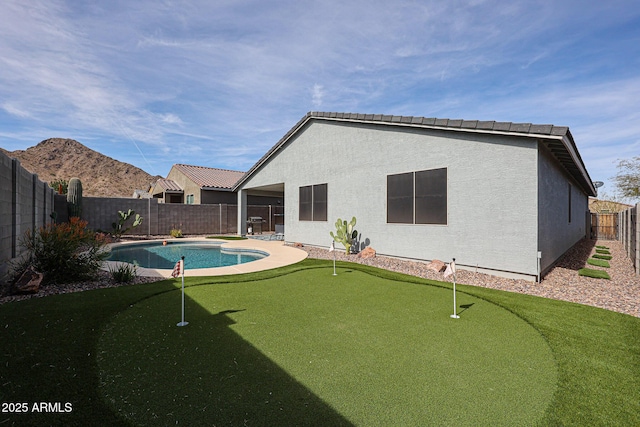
(175, 232)
(124, 273)
(64, 252)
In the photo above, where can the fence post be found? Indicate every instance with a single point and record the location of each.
(637, 239)
(629, 233)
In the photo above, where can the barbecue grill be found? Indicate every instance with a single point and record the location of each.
(254, 224)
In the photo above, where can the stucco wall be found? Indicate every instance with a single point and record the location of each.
(492, 191)
(214, 197)
(556, 233)
(186, 184)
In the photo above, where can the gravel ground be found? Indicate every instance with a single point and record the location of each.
(621, 293)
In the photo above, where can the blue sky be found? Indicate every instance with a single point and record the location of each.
(217, 83)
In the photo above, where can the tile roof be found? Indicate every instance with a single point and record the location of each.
(208, 178)
(166, 185)
(557, 139)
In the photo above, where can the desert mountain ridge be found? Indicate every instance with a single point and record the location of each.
(101, 176)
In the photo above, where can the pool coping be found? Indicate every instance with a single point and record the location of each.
(279, 255)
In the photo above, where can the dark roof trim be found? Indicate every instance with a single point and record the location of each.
(557, 138)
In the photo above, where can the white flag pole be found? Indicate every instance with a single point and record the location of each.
(333, 249)
(183, 323)
(453, 268)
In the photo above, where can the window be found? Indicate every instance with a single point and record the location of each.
(417, 197)
(190, 199)
(313, 203)
(400, 198)
(320, 202)
(569, 203)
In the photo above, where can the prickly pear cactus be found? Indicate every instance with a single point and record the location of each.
(74, 197)
(345, 233)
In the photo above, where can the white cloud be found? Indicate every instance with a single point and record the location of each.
(232, 77)
(317, 95)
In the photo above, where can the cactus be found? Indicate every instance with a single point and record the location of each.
(74, 197)
(345, 233)
(118, 229)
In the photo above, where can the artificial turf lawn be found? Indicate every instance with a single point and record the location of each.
(601, 256)
(603, 251)
(598, 262)
(348, 349)
(227, 237)
(49, 350)
(602, 247)
(595, 274)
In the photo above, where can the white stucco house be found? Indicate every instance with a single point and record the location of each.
(493, 195)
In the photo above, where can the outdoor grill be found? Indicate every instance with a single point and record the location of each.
(254, 224)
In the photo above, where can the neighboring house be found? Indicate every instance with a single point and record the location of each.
(167, 191)
(606, 206)
(197, 185)
(200, 185)
(493, 195)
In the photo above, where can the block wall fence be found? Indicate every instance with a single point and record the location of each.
(629, 234)
(161, 218)
(26, 203)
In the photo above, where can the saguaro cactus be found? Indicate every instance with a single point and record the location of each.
(345, 233)
(74, 197)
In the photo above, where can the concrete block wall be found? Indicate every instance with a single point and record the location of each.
(158, 218)
(102, 212)
(26, 203)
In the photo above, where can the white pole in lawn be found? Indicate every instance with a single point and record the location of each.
(183, 323)
(451, 270)
(332, 248)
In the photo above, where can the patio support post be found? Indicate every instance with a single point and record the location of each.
(242, 212)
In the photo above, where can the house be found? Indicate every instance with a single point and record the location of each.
(499, 197)
(189, 184)
(606, 206)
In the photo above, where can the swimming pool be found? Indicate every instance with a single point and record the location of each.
(196, 254)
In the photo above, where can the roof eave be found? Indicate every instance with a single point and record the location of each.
(556, 133)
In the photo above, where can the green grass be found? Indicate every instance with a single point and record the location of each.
(603, 251)
(598, 262)
(601, 256)
(602, 247)
(298, 346)
(596, 274)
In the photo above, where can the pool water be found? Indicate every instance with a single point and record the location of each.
(196, 255)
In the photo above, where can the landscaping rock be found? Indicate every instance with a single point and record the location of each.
(437, 266)
(29, 282)
(367, 253)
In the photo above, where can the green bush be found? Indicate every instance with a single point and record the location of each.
(63, 252)
(124, 273)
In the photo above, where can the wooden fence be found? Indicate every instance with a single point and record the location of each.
(604, 226)
(629, 234)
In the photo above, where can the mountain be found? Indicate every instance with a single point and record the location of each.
(101, 176)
